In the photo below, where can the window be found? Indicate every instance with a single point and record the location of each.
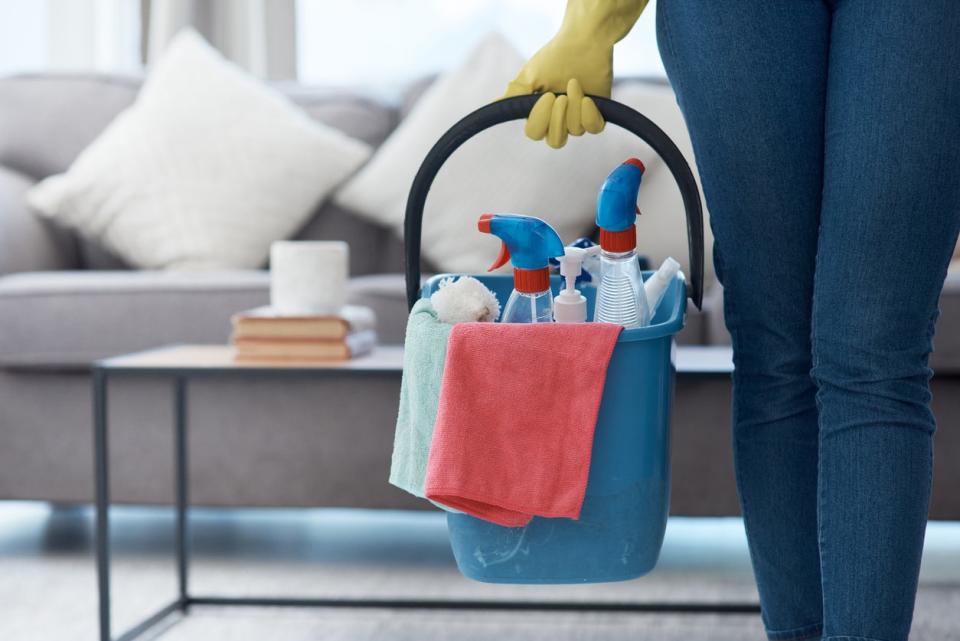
(69, 35)
(375, 44)
(387, 43)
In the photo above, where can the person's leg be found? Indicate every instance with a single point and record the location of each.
(751, 81)
(889, 221)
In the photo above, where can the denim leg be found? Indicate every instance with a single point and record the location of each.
(750, 78)
(889, 222)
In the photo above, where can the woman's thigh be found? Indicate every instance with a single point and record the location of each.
(891, 199)
(751, 81)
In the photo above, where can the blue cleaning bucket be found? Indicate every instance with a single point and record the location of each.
(620, 530)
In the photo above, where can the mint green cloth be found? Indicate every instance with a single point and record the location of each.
(425, 348)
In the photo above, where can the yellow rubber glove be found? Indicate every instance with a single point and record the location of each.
(578, 60)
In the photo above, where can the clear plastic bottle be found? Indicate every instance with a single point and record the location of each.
(621, 298)
(529, 243)
(525, 307)
(620, 295)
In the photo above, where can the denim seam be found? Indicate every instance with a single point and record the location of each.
(821, 539)
(821, 499)
(812, 631)
(845, 637)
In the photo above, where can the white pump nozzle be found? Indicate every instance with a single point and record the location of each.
(570, 306)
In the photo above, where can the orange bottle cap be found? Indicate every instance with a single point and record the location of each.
(619, 241)
(531, 281)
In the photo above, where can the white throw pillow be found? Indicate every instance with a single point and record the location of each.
(496, 171)
(203, 171)
(500, 170)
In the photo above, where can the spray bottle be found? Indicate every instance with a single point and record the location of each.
(530, 243)
(620, 295)
(570, 305)
(656, 285)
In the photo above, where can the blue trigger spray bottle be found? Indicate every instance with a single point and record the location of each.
(529, 243)
(620, 296)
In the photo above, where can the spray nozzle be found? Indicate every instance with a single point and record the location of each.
(617, 206)
(529, 242)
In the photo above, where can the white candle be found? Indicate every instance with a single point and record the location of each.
(308, 277)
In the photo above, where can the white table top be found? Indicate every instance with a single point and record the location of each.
(704, 359)
(384, 358)
(690, 359)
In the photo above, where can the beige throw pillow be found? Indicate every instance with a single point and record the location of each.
(203, 171)
(500, 170)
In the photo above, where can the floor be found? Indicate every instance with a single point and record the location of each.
(47, 584)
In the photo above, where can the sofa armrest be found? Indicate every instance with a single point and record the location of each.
(27, 242)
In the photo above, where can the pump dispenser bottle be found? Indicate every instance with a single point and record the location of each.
(529, 243)
(620, 295)
(570, 305)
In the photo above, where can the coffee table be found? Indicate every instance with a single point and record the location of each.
(182, 363)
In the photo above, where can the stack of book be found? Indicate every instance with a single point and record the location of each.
(261, 334)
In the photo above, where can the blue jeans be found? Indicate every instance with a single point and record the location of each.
(827, 134)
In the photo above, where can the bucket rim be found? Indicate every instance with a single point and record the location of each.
(673, 324)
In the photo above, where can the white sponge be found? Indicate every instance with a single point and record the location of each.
(465, 300)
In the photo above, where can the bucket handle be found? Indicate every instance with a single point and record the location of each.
(517, 108)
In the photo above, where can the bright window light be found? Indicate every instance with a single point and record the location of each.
(387, 43)
(69, 35)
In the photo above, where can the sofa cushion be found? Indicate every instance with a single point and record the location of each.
(356, 116)
(386, 294)
(72, 318)
(96, 257)
(367, 241)
(68, 319)
(946, 343)
(28, 243)
(46, 120)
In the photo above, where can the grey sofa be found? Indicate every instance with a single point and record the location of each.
(65, 302)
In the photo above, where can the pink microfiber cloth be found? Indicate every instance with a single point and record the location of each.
(514, 430)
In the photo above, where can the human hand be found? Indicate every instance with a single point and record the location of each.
(578, 60)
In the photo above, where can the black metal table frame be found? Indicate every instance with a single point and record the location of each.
(103, 370)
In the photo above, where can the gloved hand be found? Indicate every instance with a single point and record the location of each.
(578, 60)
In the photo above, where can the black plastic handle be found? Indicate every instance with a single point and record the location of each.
(518, 108)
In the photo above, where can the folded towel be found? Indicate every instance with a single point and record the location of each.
(514, 430)
(423, 357)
